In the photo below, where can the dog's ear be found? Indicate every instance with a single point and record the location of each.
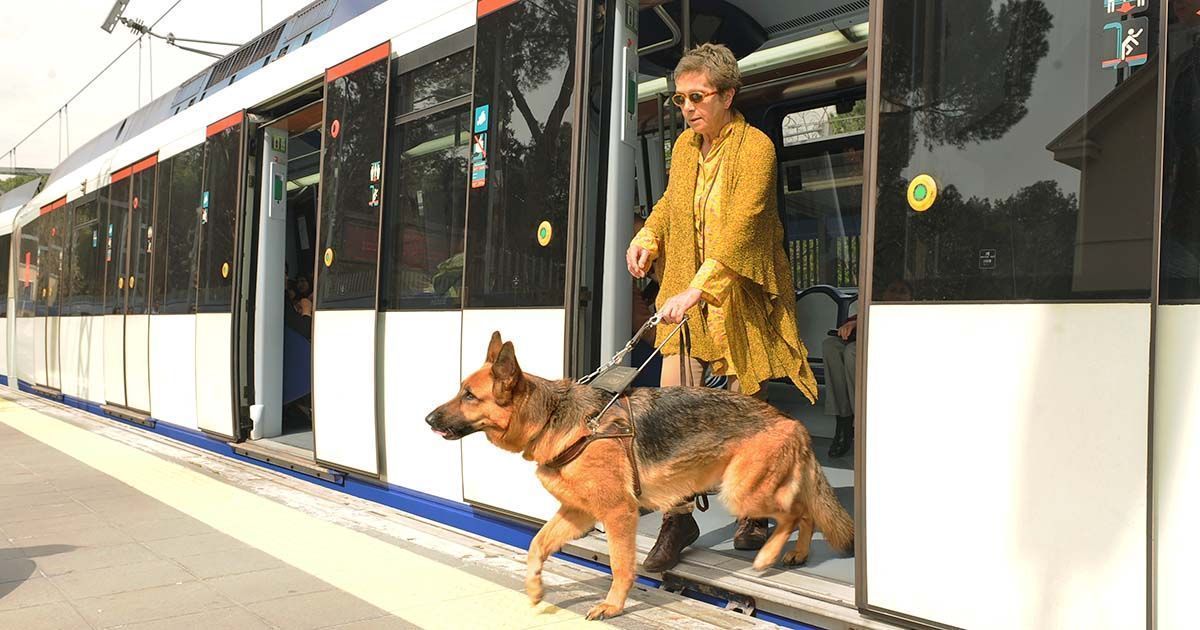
(506, 374)
(494, 347)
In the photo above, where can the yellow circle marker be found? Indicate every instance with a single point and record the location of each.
(121, 282)
(922, 192)
(545, 233)
(224, 270)
(130, 282)
(328, 256)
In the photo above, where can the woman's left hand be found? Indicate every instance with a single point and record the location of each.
(675, 308)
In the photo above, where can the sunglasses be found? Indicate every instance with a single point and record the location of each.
(694, 97)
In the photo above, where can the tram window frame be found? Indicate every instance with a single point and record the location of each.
(141, 240)
(179, 247)
(1030, 205)
(214, 291)
(5, 264)
(425, 65)
(161, 226)
(115, 247)
(1179, 249)
(86, 264)
(347, 276)
(27, 278)
(505, 264)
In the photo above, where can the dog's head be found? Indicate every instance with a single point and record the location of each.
(485, 399)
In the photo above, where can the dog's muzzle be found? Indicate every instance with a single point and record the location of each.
(437, 421)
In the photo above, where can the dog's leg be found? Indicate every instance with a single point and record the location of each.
(566, 525)
(770, 551)
(620, 525)
(799, 555)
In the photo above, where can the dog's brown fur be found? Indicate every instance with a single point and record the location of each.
(689, 440)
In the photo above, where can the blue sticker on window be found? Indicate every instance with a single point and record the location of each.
(204, 200)
(481, 118)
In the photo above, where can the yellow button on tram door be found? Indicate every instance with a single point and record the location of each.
(922, 192)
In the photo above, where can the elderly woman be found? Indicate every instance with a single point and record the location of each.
(717, 242)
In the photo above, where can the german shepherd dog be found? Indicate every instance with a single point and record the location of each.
(688, 441)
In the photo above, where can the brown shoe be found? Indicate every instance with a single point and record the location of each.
(678, 531)
(751, 534)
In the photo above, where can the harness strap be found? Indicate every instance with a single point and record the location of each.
(616, 428)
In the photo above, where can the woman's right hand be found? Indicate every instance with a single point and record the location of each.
(637, 258)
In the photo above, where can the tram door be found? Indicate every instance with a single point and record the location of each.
(49, 271)
(128, 249)
(524, 240)
(345, 423)
(220, 203)
(1003, 404)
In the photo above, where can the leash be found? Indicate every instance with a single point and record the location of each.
(617, 385)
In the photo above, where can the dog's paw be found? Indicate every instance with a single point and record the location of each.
(534, 589)
(795, 558)
(603, 611)
(762, 564)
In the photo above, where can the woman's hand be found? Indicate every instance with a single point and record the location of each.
(675, 308)
(637, 258)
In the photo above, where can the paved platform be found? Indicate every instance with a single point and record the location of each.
(107, 526)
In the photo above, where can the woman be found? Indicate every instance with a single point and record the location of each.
(718, 239)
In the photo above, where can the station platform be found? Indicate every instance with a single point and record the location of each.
(103, 525)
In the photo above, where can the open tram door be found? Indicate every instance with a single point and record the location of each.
(531, 129)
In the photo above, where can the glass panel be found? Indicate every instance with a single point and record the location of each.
(141, 216)
(524, 74)
(351, 194)
(820, 175)
(218, 220)
(1035, 120)
(1179, 275)
(426, 201)
(85, 279)
(162, 214)
(5, 248)
(443, 80)
(27, 286)
(55, 228)
(116, 235)
(183, 224)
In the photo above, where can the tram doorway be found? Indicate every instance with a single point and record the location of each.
(287, 242)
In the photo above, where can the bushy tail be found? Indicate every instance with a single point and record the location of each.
(828, 514)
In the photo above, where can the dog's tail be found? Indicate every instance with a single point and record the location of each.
(827, 512)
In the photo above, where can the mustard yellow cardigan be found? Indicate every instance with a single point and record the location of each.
(760, 314)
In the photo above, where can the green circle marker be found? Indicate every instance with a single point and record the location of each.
(920, 193)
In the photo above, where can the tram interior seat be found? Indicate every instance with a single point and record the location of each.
(819, 309)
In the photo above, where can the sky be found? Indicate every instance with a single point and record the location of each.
(50, 48)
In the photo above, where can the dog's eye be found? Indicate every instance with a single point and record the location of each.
(467, 395)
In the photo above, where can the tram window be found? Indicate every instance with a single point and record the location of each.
(439, 82)
(1179, 275)
(85, 279)
(525, 75)
(116, 239)
(179, 245)
(56, 240)
(218, 221)
(1043, 156)
(162, 204)
(26, 270)
(5, 245)
(141, 216)
(350, 188)
(820, 182)
(423, 229)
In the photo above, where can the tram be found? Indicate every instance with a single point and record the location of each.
(296, 254)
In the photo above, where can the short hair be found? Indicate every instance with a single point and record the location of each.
(715, 60)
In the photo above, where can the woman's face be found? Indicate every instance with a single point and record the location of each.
(712, 112)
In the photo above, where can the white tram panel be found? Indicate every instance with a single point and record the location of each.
(137, 362)
(343, 356)
(422, 354)
(173, 369)
(493, 477)
(1018, 481)
(214, 392)
(1176, 471)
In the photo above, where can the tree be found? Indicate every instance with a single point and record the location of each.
(15, 181)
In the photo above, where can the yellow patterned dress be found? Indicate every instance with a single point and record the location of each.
(716, 229)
